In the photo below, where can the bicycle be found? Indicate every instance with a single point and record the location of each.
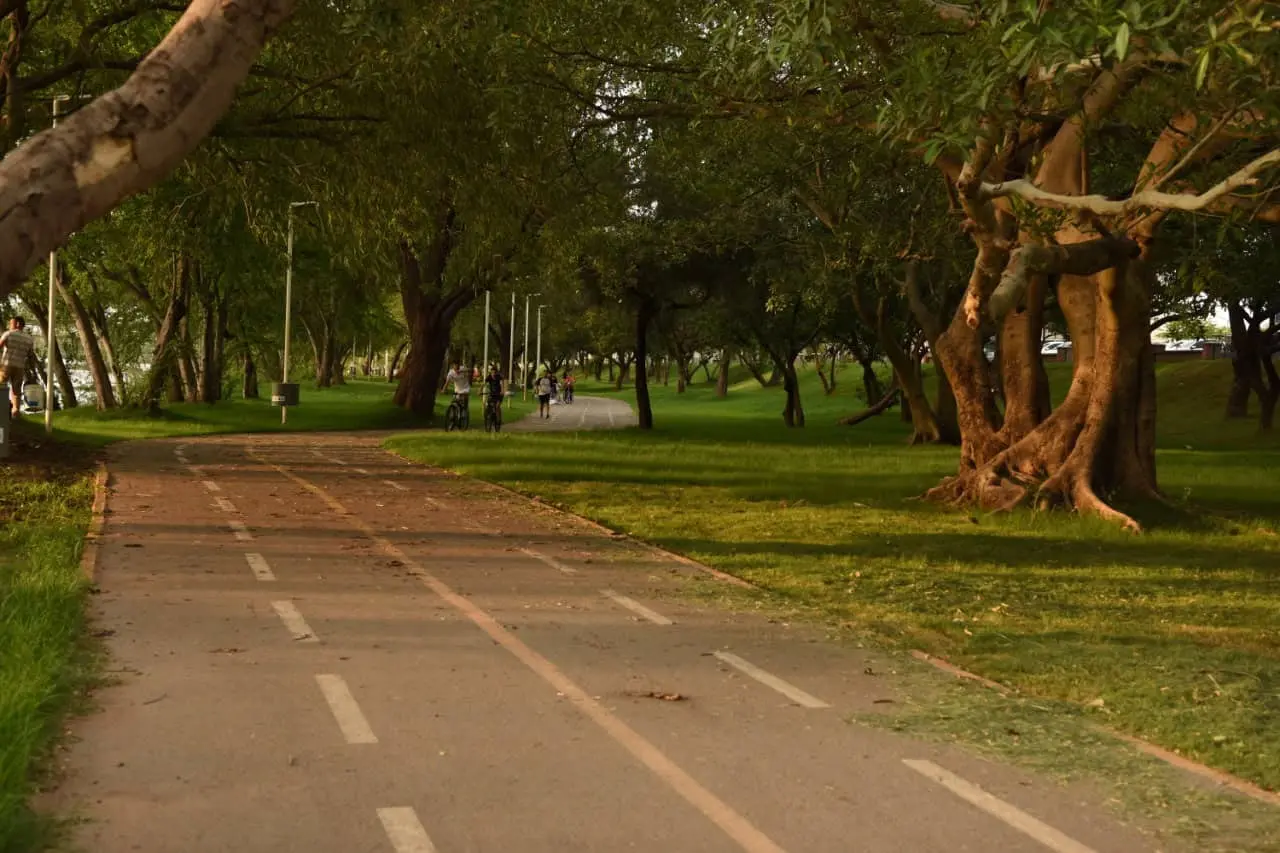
(493, 414)
(458, 416)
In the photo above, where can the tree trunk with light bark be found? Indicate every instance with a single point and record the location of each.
(105, 397)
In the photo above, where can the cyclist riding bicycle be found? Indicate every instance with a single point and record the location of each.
(494, 388)
(461, 378)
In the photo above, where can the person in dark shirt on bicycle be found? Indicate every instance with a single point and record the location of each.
(494, 385)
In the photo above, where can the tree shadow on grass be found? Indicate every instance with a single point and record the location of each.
(1018, 552)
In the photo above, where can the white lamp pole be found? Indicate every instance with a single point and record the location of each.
(486, 333)
(511, 360)
(288, 307)
(49, 338)
(538, 361)
(524, 358)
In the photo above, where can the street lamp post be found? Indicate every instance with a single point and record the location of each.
(288, 314)
(538, 361)
(524, 358)
(511, 359)
(486, 333)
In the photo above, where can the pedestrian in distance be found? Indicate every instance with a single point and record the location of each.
(18, 348)
(544, 387)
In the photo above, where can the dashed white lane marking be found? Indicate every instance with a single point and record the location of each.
(405, 831)
(736, 826)
(611, 421)
(212, 486)
(355, 728)
(361, 471)
(260, 567)
(225, 505)
(550, 561)
(293, 620)
(398, 486)
(636, 607)
(998, 808)
(330, 459)
(241, 532)
(795, 694)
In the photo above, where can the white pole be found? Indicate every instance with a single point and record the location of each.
(49, 336)
(288, 321)
(511, 360)
(537, 363)
(524, 357)
(486, 333)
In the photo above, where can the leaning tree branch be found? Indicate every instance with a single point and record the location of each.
(130, 138)
(1087, 258)
(1145, 200)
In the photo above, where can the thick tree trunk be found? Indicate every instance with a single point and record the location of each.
(1101, 440)
(429, 312)
(66, 385)
(421, 376)
(164, 355)
(624, 373)
(793, 411)
(906, 372)
(210, 370)
(756, 373)
(186, 364)
(722, 378)
(109, 353)
(130, 138)
(644, 407)
(1246, 365)
(395, 361)
(947, 412)
(106, 398)
(1271, 396)
(870, 381)
(250, 388)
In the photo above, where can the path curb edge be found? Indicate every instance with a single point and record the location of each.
(1219, 777)
(89, 555)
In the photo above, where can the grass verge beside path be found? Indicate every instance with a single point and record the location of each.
(45, 500)
(357, 405)
(1172, 636)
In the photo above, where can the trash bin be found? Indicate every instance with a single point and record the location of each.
(284, 394)
(33, 397)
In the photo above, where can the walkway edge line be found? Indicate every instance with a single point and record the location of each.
(1173, 759)
(97, 521)
(609, 531)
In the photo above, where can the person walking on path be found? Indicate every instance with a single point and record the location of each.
(544, 390)
(18, 348)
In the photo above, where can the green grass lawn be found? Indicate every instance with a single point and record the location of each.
(1176, 631)
(44, 507)
(359, 404)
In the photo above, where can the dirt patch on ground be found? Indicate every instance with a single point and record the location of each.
(36, 459)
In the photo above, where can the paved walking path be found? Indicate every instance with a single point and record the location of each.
(582, 413)
(321, 647)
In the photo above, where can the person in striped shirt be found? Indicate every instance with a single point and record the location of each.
(16, 349)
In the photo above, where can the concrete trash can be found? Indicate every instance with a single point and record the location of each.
(284, 394)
